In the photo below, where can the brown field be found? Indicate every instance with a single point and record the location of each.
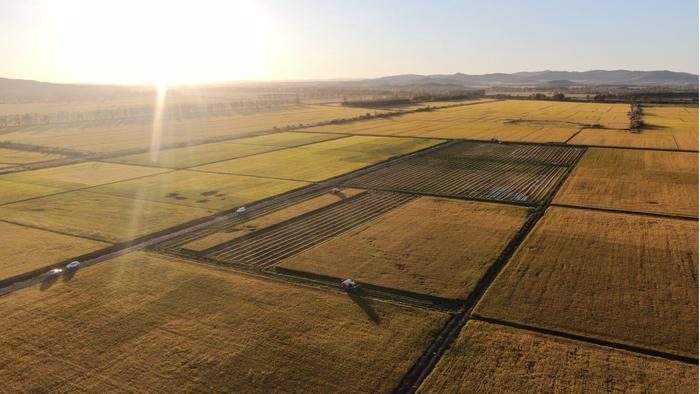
(25, 249)
(619, 277)
(260, 223)
(199, 189)
(98, 216)
(148, 322)
(81, 175)
(320, 161)
(108, 137)
(430, 245)
(634, 180)
(490, 358)
(507, 120)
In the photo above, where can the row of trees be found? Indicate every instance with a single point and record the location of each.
(172, 111)
(417, 98)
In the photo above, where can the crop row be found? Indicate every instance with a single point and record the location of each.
(264, 248)
(538, 154)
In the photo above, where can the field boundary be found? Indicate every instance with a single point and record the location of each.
(625, 212)
(427, 362)
(591, 340)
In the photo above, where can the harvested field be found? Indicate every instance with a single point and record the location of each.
(224, 233)
(81, 175)
(98, 216)
(25, 249)
(323, 160)
(115, 136)
(13, 157)
(506, 120)
(618, 277)
(191, 156)
(199, 189)
(267, 247)
(201, 329)
(634, 180)
(490, 358)
(429, 245)
(474, 170)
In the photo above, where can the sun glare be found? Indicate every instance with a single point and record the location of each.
(160, 42)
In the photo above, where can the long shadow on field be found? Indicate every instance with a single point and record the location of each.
(366, 307)
(68, 275)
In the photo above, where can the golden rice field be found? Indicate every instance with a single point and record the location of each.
(99, 216)
(666, 127)
(320, 161)
(489, 358)
(228, 234)
(507, 120)
(108, 138)
(26, 249)
(634, 180)
(81, 175)
(13, 157)
(433, 246)
(199, 189)
(16, 191)
(148, 322)
(620, 277)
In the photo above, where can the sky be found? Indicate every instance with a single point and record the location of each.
(160, 41)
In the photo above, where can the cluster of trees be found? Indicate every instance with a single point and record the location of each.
(398, 100)
(557, 96)
(171, 111)
(636, 115)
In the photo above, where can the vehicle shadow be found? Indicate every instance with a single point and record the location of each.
(68, 275)
(48, 282)
(366, 307)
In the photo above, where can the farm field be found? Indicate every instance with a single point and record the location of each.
(227, 233)
(99, 216)
(198, 327)
(287, 139)
(192, 156)
(433, 246)
(513, 173)
(264, 248)
(490, 358)
(320, 161)
(623, 278)
(81, 175)
(16, 191)
(101, 137)
(506, 120)
(13, 157)
(665, 128)
(25, 249)
(634, 180)
(199, 189)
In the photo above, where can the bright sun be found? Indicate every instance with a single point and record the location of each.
(160, 42)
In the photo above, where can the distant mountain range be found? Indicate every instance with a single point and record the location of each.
(534, 78)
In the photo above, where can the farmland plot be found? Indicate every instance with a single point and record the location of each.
(320, 161)
(490, 358)
(619, 277)
(506, 120)
(99, 216)
(473, 170)
(240, 226)
(267, 247)
(26, 249)
(429, 245)
(13, 157)
(199, 190)
(634, 180)
(201, 329)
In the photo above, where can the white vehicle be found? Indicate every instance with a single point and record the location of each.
(349, 285)
(241, 210)
(54, 272)
(74, 265)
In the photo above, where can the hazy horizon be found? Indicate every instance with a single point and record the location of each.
(186, 42)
